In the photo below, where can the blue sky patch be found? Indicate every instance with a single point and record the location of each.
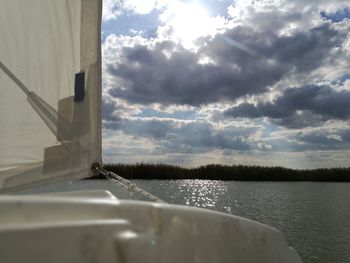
(341, 79)
(132, 22)
(338, 16)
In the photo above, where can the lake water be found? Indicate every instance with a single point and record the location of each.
(313, 216)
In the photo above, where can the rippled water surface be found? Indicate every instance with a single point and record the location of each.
(315, 217)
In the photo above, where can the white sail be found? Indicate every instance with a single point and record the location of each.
(50, 83)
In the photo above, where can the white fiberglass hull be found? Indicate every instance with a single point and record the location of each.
(96, 227)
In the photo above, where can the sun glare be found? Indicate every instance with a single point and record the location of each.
(189, 22)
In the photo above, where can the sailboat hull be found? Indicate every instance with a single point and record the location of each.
(97, 227)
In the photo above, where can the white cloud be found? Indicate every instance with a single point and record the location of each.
(168, 72)
(108, 11)
(335, 137)
(186, 22)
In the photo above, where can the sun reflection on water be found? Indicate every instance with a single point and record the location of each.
(202, 193)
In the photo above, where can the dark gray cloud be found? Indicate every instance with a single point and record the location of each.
(152, 128)
(270, 46)
(338, 139)
(177, 136)
(109, 109)
(299, 107)
(307, 140)
(302, 51)
(305, 51)
(154, 77)
(320, 140)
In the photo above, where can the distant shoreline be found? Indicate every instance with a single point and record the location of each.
(228, 173)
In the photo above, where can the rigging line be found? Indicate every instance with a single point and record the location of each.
(14, 78)
(46, 112)
(127, 185)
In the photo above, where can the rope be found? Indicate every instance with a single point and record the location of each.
(14, 78)
(127, 185)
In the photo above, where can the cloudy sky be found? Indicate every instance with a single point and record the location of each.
(263, 82)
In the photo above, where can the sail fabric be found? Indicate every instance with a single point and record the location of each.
(50, 84)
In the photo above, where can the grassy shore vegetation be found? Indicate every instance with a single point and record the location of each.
(225, 172)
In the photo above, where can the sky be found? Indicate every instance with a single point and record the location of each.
(260, 82)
